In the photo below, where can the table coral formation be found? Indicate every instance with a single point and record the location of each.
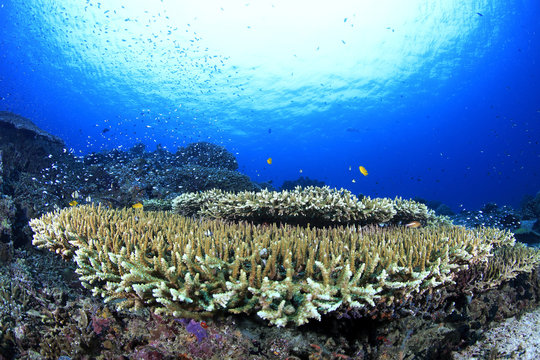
(311, 205)
(286, 274)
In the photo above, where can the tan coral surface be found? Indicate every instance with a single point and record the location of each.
(310, 205)
(192, 267)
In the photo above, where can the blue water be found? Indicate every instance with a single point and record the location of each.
(436, 99)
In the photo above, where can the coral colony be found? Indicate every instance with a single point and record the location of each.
(195, 267)
(190, 259)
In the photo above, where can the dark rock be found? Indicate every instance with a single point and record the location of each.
(31, 161)
(444, 210)
(138, 149)
(302, 182)
(433, 204)
(25, 147)
(510, 221)
(1, 174)
(536, 226)
(527, 233)
(192, 178)
(530, 207)
(208, 155)
(9, 119)
(490, 208)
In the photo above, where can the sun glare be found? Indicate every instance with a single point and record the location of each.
(294, 56)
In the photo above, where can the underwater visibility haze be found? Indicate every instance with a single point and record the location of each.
(434, 99)
(150, 157)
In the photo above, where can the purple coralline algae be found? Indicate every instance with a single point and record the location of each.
(195, 328)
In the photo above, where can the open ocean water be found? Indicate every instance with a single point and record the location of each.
(436, 99)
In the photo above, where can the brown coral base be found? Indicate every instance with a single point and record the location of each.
(46, 314)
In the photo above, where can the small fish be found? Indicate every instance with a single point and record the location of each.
(88, 199)
(413, 224)
(480, 14)
(204, 325)
(269, 131)
(269, 161)
(363, 170)
(137, 206)
(208, 233)
(75, 194)
(301, 171)
(350, 168)
(73, 203)
(353, 180)
(106, 130)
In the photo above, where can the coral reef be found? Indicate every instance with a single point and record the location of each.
(208, 155)
(317, 206)
(41, 175)
(131, 176)
(193, 268)
(1, 173)
(503, 217)
(507, 263)
(45, 314)
(25, 151)
(302, 182)
(157, 205)
(530, 207)
(528, 232)
(190, 178)
(7, 215)
(25, 147)
(438, 206)
(421, 292)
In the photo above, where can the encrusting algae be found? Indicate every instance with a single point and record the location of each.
(189, 267)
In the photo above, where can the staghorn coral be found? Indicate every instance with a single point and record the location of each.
(193, 268)
(157, 205)
(506, 264)
(313, 205)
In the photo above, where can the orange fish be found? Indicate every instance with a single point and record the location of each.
(413, 224)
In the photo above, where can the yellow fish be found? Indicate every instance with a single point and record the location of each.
(137, 206)
(413, 224)
(269, 161)
(363, 170)
(73, 203)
